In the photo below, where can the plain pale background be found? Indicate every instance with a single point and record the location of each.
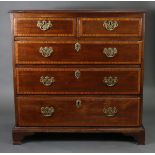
(71, 143)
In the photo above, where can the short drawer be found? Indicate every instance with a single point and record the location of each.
(110, 27)
(44, 26)
(46, 52)
(78, 80)
(78, 111)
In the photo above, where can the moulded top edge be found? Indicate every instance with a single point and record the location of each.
(78, 11)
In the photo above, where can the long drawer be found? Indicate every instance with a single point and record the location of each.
(78, 111)
(112, 26)
(78, 80)
(44, 26)
(48, 52)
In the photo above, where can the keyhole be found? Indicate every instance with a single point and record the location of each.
(78, 103)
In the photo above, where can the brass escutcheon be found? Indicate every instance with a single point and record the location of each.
(78, 103)
(77, 74)
(77, 47)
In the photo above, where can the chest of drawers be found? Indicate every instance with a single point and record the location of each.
(78, 72)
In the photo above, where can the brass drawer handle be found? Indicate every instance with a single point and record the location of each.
(44, 25)
(78, 103)
(110, 25)
(47, 81)
(46, 51)
(110, 111)
(47, 111)
(110, 81)
(77, 74)
(110, 52)
(77, 47)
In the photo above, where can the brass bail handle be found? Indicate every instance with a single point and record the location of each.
(46, 51)
(46, 80)
(47, 111)
(110, 25)
(110, 52)
(110, 111)
(110, 81)
(44, 25)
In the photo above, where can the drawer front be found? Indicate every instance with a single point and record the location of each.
(78, 111)
(78, 80)
(43, 52)
(110, 27)
(44, 26)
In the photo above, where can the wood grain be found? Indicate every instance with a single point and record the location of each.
(60, 27)
(90, 81)
(89, 114)
(126, 27)
(91, 52)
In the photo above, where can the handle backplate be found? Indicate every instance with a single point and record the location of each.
(110, 81)
(47, 111)
(110, 111)
(110, 52)
(47, 81)
(110, 25)
(46, 51)
(44, 25)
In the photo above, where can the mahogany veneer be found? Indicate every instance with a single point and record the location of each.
(90, 81)
(79, 72)
(89, 114)
(27, 52)
(127, 27)
(61, 27)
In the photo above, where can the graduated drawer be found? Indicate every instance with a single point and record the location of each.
(78, 80)
(78, 111)
(46, 52)
(111, 26)
(44, 26)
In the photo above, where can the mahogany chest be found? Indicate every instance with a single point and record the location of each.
(78, 72)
